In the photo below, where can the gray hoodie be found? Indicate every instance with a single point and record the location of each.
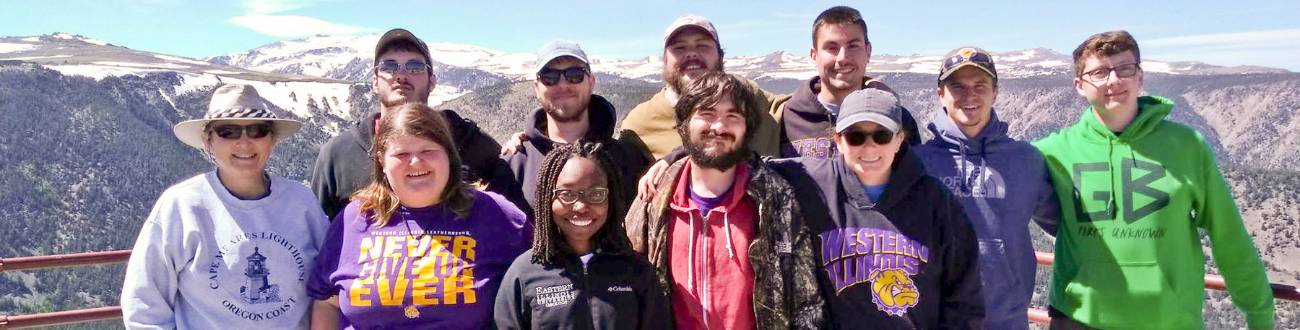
(1001, 183)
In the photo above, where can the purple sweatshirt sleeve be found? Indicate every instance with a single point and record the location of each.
(320, 286)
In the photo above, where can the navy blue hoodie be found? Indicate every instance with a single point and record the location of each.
(807, 127)
(1001, 182)
(906, 261)
(525, 163)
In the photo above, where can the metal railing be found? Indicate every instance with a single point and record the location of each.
(60, 261)
(1280, 291)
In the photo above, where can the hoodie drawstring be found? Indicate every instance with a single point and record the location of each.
(964, 175)
(984, 165)
(1110, 159)
(690, 253)
(726, 227)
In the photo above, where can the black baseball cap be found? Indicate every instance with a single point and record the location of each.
(401, 35)
(964, 57)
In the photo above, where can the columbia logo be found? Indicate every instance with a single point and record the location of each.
(620, 288)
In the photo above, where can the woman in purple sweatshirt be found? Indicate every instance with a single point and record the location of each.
(418, 248)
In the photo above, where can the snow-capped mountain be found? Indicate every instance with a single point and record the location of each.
(304, 96)
(339, 58)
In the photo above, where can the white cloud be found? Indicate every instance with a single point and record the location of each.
(293, 26)
(1271, 48)
(266, 17)
(266, 7)
(1250, 39)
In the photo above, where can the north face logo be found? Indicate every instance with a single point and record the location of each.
(1128, 185)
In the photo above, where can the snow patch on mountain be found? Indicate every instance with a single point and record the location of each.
(170, 58)
(144, 65)
(33, 58)
(13, 48)
(67, 36)
(99, 72)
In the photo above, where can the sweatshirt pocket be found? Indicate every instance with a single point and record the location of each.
(1000, 282)
(1123, 293)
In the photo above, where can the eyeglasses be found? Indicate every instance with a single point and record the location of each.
(235, 132)
(590, 196)
(857, 138)
(550, 77)
(1100, 75)
(411, 67)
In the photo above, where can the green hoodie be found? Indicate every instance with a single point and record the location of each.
(1128, 254)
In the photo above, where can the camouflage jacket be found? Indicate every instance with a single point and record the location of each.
(786, 294)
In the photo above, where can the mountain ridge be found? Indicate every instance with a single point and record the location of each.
(88, 145)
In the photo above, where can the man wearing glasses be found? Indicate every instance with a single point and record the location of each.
(403, 74)
(1135, 191)
(1000, 182)
(569, 112)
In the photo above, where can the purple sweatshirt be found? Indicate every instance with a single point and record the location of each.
(425, 269)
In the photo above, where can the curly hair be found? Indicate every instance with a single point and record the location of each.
(418, 120)
(548, 242)
(707, 90)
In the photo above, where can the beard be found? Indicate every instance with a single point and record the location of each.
(567, 114)
(678, 80)
(719, 160)
(391, 99)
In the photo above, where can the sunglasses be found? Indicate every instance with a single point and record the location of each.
(857, 138)
(590, 196)
(235, 132)
(411, 67)
(981, 59)
(1121, 71)
(550, 77)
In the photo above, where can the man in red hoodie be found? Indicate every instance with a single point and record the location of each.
(722, 228)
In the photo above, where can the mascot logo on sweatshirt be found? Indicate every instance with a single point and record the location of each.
(882, 259)
(893, 291)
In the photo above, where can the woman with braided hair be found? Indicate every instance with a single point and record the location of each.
(581, 272)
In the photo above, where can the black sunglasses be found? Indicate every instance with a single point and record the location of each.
(550, 77)
(978, 58)
(235, 132)
(857, 138)
(411, 67)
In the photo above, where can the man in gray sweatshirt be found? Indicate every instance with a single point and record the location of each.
(1000, 181)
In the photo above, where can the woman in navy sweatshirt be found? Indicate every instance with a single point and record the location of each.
(896, 249)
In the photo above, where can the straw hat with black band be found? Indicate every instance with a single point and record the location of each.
(234, 102)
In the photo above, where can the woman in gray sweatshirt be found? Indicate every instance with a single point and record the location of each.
(231, 248)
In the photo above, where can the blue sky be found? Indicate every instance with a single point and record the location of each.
(1217, 32)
